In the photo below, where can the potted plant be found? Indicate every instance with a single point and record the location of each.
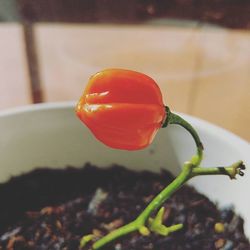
(114, 208)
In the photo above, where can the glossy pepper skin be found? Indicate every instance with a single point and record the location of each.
(123, 108)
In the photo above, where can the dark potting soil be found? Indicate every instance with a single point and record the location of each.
(52, 209)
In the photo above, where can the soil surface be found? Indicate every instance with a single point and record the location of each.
(52, 209)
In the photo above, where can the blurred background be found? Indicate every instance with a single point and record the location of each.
(197, 50)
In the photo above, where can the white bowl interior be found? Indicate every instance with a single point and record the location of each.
(50, 135)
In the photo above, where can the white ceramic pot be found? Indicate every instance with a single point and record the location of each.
(51, 135)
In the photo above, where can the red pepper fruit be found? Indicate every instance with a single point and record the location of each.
(123, 108)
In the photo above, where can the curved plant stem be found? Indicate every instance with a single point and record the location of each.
(176, 119)
(154, 204)
(157, 202)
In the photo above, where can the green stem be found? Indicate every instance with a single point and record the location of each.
(172, 118)
(157, 202)
(129, 228)
(230, 171)
(189, 170)
(154, 204)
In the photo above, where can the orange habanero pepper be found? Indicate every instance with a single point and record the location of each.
(123, 108)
